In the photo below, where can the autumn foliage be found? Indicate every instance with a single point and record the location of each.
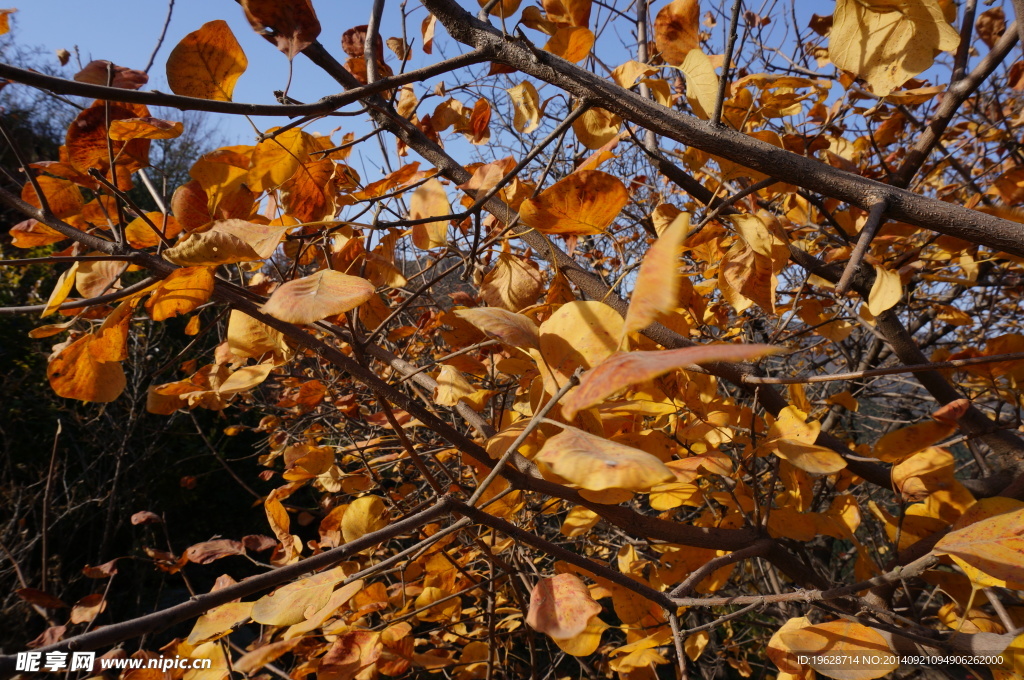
(660, 346)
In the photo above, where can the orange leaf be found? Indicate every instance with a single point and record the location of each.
(628, 368)
(76, 374)
(596, 464)
(585, 202)
(181, 292)
(429, 200)
(275, 160)
(657, 284)
(206, 63)
(571, 43)
(127, 129)
(561, 606)
(312, 298)
(676, 30)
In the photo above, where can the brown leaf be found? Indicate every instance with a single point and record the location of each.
(291, 24)
(209, 551)
(40, 598)
(102, 72)
(146, 517)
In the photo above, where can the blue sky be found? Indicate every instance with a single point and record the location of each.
(126, 31)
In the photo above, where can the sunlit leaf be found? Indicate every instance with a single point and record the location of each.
(886, 291)
(430, 200)
(206, 63)
(561, 606)
(365, 515)
(888, 43)
(834, 640)
(571, 43)
(629, 368)
(657, 284)
(676, 30)
(512, 329)
(526, 103)
(318, 296)
(585, 202)
(287, 605)
(596, 464)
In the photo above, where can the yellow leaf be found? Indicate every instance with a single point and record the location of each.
(888, 43)
(429, 200)
(657, 284)
(65, 282)
(288, 604)
(571, 43)
(596, 127)
(317, 619)
(627, 368)
(139, 234)
(596, 464)
(818, 460)
(561, 607)
(886, 291)
(695, 644)
(526, 103)
(701, 83)
(900, 444)
(627, 74)
(676, 30)
(227, 242)
(206, 63)
(833, 640)
(585, 202)
(790, 424)
(249, 338)
(318, 296)
(219, 621)
(275, 160)
(581, 334)
(508, 327)
(994, 545)
(214, 664)
(181, 292)
(587, 642)
(513, 283)
(365, 515)
(579, 521)
(781, 655)
(244, 379)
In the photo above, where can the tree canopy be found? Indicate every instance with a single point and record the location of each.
(595, 339)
